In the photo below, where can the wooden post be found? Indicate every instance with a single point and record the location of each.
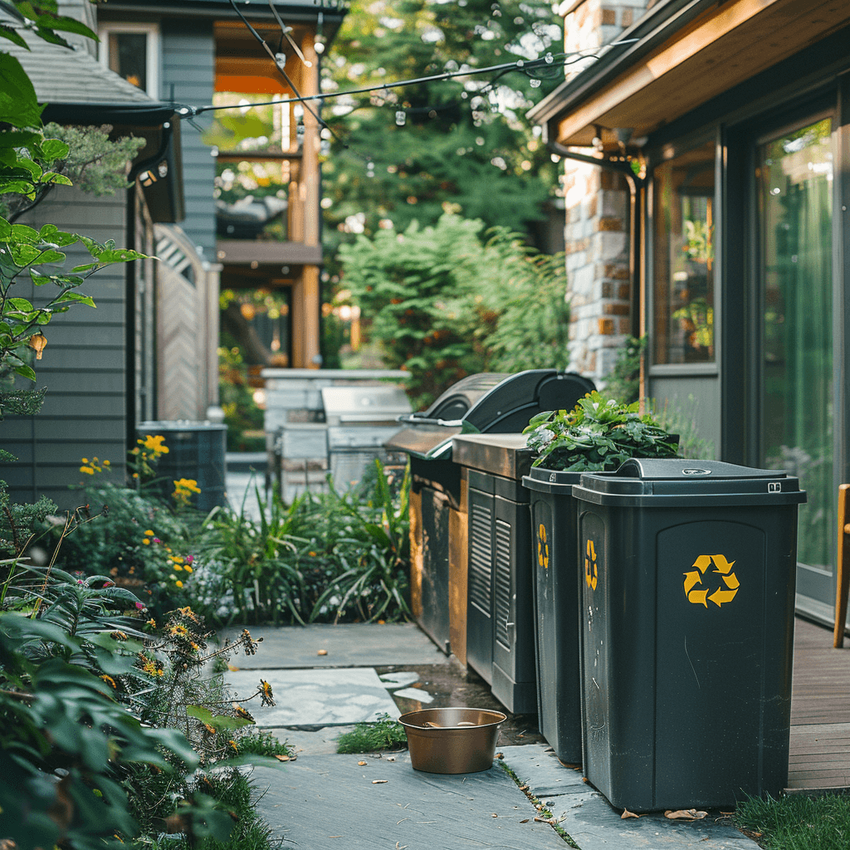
(843, 565)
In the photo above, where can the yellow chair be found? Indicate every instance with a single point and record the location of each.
(843, 581)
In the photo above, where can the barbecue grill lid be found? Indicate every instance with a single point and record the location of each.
(488, 402)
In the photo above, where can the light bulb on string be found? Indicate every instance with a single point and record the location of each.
(400, 118)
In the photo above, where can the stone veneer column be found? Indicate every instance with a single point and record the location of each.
(597, 213)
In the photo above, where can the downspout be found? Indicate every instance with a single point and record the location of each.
(636, 186)
(130, 285)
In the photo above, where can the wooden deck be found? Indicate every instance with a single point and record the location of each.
(820, 711)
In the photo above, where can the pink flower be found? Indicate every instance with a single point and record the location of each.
(190, 558)
(140, 606)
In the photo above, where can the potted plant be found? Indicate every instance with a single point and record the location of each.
(597, 435)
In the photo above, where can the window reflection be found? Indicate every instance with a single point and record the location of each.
(684, 258)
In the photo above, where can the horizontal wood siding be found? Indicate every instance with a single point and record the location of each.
(83, 365)
(188, 71)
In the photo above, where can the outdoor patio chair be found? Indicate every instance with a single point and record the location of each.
(843, 580)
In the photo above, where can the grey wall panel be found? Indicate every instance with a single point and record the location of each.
(188, 70)
(694, 403)
(83, 365)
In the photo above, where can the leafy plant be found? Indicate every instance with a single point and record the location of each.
(384, 734)
(325, 557)
(450, 300)
(623, 382)
(598, 434)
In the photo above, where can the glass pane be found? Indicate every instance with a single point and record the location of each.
(684, 258)
(795, 215)
(128, 56)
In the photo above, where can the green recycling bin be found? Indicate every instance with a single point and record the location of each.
(687, 626)
(555, 568)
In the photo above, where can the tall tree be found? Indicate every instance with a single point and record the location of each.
(461, 145)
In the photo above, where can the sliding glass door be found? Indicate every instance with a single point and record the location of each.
(795, 202)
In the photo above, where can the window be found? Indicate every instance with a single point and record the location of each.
(684, 258)
(132, 50)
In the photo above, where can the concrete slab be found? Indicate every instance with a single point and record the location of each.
(348, 645)
(305, 743)
(329, 802)
(594, 825)
(315, 697)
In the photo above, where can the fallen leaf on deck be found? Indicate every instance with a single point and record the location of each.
(524, 821)
(285, 758)
(380, 781)
(685, 814)
(628, 814)
(362, 763)
(322, 652)
(550, 821)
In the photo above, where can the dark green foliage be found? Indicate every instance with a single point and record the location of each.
(326, 557)
(797, 822)
(448, 301)
(453, 151)
(384, 734)
(623, 382)
(598, 434)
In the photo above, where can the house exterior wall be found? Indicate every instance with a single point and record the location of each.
(188, 72)
(83, 365)
(596, 233)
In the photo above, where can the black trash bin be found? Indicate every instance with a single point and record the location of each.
(485, 403)
(196, 450)
(554, 562)
(688, 578)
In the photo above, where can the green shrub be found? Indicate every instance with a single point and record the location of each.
(598, 434)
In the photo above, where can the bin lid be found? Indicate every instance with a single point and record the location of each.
(487, 403)
(667, 482)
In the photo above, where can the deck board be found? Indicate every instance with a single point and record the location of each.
(819, 756)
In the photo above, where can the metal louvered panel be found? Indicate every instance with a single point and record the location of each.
(502, 590)
(480, 557)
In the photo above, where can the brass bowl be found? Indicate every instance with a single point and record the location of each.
(452, 740)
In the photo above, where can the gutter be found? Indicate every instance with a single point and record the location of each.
(636, 185)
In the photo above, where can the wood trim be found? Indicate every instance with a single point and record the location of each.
(720, 49)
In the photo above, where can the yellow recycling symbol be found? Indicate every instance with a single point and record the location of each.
(724, 591)
(542, 547)
(591, 571)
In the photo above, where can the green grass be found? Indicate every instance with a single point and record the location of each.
(234, 792)
(384, 734)
(797, 822)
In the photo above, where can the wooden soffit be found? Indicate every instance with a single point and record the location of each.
(687, 66)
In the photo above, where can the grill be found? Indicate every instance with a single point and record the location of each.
(359, 421)
(478, 404)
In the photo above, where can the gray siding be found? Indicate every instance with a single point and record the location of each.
(188, 71)
(83, 367)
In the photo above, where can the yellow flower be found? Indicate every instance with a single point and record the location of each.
(148, 532)
(155, 443)
(109, 681)
(178, 567)
(179, 584)
(146, 542)
(187, 568)
(87, 469)
(107, 463)
(84, 460)
(189, 484)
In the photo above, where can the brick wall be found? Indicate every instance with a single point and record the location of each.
(596, 233)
